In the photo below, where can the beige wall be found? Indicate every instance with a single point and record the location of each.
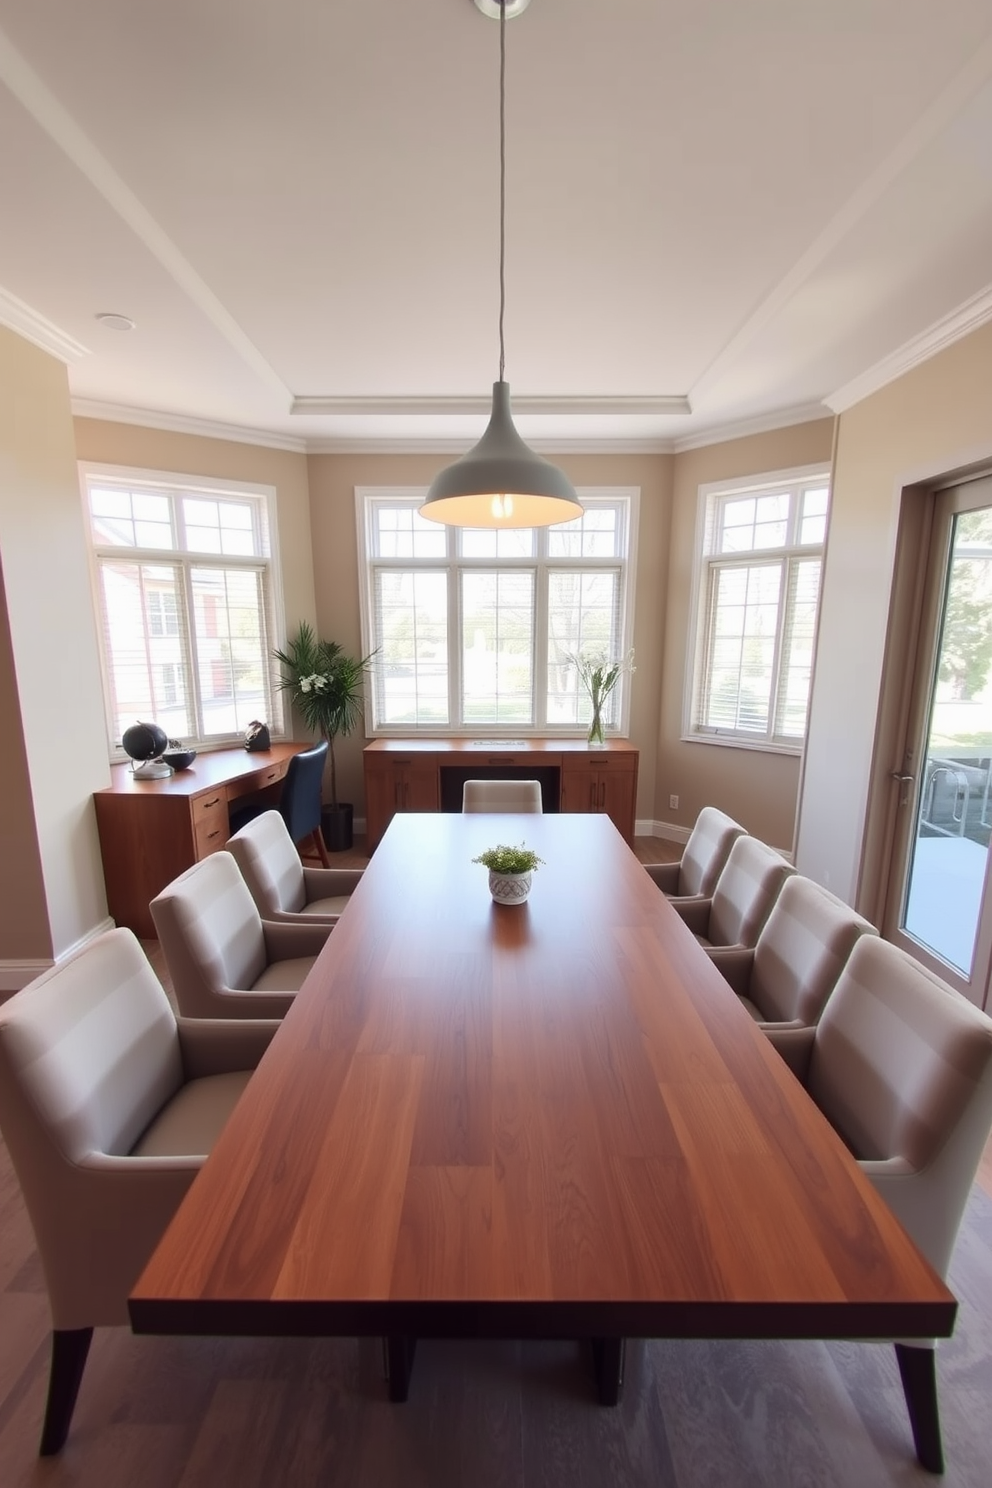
(52, 640)
(934, 422)
(757, 787)
(333, 479)
(25, 936)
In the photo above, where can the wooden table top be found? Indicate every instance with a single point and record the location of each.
(546, 1120)
(211, 769)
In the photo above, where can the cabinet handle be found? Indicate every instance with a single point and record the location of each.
(592, 795)
(211, 835)
(602, 796)
(214, 802)
(502, 759)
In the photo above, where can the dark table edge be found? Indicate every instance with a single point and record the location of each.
(856, 1320)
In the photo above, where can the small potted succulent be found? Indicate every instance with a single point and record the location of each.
(510, 872)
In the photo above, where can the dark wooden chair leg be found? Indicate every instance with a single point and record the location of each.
(399, 1364)
(918, 1368)
(608, 1355)
(318, 838)
(69, 1349)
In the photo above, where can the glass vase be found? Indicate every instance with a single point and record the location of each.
(595, 735)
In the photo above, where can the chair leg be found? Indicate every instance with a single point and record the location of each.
(918, 1368)
(69, 1349)
(318, 838)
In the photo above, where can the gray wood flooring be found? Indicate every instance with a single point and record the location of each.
(208, 1413)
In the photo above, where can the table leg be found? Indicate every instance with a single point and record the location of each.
(399, 1365)
(608, 1355)
(918, 1368)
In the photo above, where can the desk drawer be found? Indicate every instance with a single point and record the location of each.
(210, 823)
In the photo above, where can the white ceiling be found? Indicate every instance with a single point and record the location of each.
(752, 205)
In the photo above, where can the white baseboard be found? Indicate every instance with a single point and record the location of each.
(671, 833)
(17, 974)
(666, 830)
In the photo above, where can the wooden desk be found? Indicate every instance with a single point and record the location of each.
(411, 775)
(153, 830)
(550, 1120)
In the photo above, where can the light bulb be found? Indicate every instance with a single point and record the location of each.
(502, 506)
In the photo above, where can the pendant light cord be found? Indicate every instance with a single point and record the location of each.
(502, 181)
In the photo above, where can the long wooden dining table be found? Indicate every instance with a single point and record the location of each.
(546, 1120)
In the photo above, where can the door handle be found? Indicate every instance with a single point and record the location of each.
(905, 781)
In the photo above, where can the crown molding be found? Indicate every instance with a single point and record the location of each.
(406, 445)
(175, 423)
(587, 407)
(19, 317)
(118, 413)
(937, 337)
(766, 423)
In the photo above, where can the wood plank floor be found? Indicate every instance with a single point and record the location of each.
(207, 1413)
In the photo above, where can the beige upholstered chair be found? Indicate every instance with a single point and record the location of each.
(282, 888)
(108, 1106)
(224, 960)
(703, 859)
(502, 795)
(784, 982)
(901, 1066)
(742, 900)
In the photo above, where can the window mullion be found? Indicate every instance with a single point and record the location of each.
(539, 707)
(191, 648)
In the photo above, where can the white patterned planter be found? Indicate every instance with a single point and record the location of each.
(509, 888)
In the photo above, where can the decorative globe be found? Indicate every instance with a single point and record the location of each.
(145, 741)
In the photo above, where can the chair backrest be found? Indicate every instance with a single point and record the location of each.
(211, 933)
(707, 851)
(302, 787)
(901, 1066)
(89, 1053)
(801, 951)
(745, 892)
(269, 864)
(502, 795)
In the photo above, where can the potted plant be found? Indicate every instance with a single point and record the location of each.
(510, 872)
(325, 687)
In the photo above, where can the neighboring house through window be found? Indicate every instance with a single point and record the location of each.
(757, 587)
(183, 591)
(476, 629)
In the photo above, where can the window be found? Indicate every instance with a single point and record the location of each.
(182, 587)
(476, 629)
(758, 584)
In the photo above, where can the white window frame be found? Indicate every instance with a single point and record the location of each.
(174, 483)
(366, 498)
(709, 496)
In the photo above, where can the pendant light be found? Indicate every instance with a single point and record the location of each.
(501, 482)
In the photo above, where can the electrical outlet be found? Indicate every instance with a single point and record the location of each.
(673, 803)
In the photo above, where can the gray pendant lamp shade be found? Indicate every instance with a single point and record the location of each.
(500, 482)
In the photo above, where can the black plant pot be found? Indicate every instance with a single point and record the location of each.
(336, 826)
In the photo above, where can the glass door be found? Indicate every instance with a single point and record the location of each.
(940, 900)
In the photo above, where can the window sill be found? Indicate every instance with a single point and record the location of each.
(735, 741)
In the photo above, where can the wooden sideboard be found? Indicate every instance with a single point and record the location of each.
(427, 775)
(153, 830)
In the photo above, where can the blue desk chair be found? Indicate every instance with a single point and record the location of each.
(299, 804)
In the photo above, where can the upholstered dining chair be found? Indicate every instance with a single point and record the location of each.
(299, 802)
(283, 888)
(502, 795)
(108, 1105)
(901, 1066)
(742, 898)
(224, 960)
(703, 857)
(785, 980)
